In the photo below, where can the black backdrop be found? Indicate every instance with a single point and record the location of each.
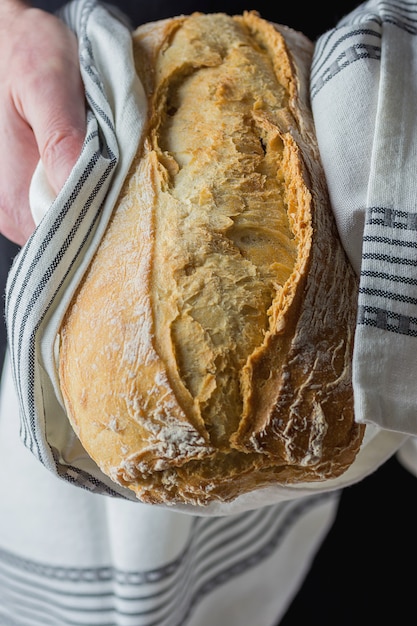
(312, 18)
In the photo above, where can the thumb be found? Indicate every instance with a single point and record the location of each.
(53, 103)
(59, 125)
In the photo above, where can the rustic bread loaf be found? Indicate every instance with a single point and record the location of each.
(207, 351)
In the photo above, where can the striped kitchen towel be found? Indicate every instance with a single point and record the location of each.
(48, 268)
(364, 98)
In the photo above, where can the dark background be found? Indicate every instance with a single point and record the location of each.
(363, 573)
(312, 18)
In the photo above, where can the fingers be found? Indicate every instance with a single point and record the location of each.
(42, 113)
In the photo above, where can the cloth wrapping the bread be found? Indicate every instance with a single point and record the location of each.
(46, 271)
(364, 99)
(48, 268)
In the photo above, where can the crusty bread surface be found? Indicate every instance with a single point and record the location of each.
(207, 351)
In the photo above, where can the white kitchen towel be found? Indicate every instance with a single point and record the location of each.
(49, 267)
(364, 98)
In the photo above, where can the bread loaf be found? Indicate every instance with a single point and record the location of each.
(207, 351)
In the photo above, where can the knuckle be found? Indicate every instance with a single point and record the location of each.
(58, 144)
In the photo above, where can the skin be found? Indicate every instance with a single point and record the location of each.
(42, 109)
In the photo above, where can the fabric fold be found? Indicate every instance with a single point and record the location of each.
(49, 267)
(364, 98)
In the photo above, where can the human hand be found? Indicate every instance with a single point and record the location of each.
(42, 109)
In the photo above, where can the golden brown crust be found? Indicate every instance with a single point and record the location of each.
(207, 352)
